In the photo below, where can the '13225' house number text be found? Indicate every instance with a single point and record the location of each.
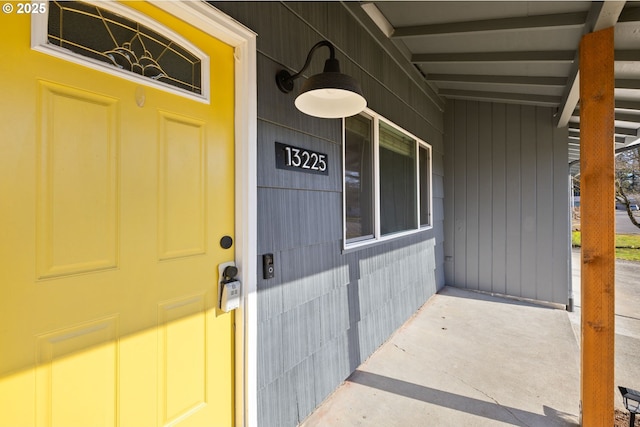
(300, 159)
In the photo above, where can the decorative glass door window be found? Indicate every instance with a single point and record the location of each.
(121, 42)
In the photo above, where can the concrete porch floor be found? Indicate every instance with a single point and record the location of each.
(471, 359)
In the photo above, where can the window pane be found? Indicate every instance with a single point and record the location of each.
(398, 205)
(120, 42)
(425, 187)
(358, 177)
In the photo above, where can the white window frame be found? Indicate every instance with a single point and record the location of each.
(377, 237)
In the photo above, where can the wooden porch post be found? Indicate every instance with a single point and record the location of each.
(598, 227)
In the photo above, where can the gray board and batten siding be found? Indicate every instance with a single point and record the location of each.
(327, 309)
(506, 200)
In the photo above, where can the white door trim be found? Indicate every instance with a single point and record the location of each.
(224, 28)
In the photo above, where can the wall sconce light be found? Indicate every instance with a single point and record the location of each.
(329, 95)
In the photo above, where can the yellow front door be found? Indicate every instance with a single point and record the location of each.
(114, 198)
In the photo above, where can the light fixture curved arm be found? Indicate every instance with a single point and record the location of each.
(284, 79)
(329, 94)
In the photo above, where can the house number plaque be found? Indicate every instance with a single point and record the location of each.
(300, 159)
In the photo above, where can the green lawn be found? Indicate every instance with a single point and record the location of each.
(627, 245)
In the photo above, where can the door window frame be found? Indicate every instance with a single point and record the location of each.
(40, 43)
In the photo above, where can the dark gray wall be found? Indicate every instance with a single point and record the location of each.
(507, 200)
(326, 310)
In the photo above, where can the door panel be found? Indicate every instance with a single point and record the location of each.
(78, 368)
(182, 207)
(77, 168)
(182, 343)
(111, 216)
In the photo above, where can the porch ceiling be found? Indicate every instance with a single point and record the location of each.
(523, 52)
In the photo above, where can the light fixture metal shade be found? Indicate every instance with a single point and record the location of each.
(331, 95)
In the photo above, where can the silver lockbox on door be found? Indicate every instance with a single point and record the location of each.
(229, 288)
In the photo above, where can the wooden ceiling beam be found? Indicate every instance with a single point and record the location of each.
(601, 15)
(503, 80)
(500, 24)
(531, 56)
(521, 98)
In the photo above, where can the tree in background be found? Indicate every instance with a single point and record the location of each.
(628, 180)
